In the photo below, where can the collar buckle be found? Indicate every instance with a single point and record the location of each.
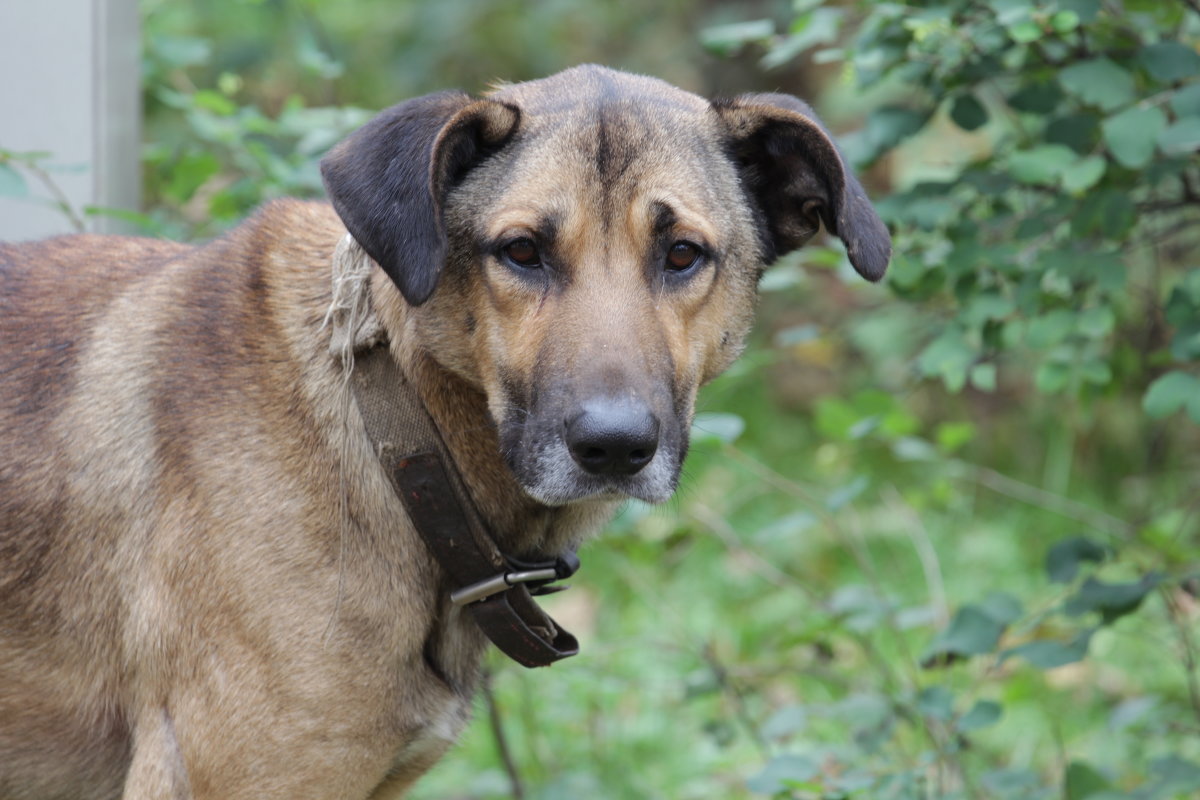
(539, 574)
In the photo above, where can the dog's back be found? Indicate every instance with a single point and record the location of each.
(120, 360)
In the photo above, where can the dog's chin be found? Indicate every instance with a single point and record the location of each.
(556, 480)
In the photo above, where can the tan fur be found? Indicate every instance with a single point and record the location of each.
(207, 587)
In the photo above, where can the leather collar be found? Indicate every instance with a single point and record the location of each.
(497, 589)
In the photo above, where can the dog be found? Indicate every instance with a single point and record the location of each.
(208, 586)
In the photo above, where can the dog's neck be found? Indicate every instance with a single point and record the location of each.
(520, 525)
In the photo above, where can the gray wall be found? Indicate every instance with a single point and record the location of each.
(70, 87)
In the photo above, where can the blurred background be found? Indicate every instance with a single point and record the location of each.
(937, 537)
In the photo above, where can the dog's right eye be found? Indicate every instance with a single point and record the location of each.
(524, 253)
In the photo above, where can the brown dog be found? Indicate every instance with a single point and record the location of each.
(208, 589)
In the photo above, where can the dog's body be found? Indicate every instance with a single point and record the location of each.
(208, 589)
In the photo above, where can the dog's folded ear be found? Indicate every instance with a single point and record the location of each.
(797, 176)
(388, 180)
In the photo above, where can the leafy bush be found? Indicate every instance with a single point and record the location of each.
(1049, 248)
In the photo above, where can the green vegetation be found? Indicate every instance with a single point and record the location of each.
(937, 538)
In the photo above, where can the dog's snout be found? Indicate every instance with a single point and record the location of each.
(611, 438)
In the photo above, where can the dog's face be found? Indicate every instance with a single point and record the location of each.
(586, 249)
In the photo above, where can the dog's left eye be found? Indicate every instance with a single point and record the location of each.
(682, 256)
(524, 253)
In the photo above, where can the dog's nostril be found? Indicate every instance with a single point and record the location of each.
(612, 438)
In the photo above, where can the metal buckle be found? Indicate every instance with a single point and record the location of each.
(537, 572)
(499, 583)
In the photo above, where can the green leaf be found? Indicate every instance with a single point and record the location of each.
(1052, 377)
(1025, 31)
(1112, 600)
(968, 113)
(949, 357)
(1079, 131)
(181, 51)
(1169, 393)
(1096, 322)
(782, 771)
(1174, 777)
(1002, 607)
(12, 183)
(785, 722)
(725, 40)
(1132, 135)
(1185, 345)
(215, 102)
(1040, 97)
(953, 435)
(1049, 654)
(1181, 138)
(189, 174)
(835, 418)
(983, 377)
(1064, 21)
(819, 26)
(971, 632)
(1169, 61)
(1082, 780)
(890, 125)
(936, 702)
(1063, 558)
(716, 427)
(1041, 165)
(1096, 372)
(1050, 328)
(1186, 101)
(1084, 174)
(844, 495)
(1086, 9)
(1109, 213)
(1099, 82)
(983, 714)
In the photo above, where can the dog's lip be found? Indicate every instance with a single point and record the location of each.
(610, 490)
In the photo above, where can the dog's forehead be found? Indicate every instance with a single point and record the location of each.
(580, 93)
(593, 137)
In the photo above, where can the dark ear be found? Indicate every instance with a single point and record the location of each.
(389, 179)
(798, 177)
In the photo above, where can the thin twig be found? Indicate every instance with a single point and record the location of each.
(60, 198)
(927, 555)
(1035, 496)
(1178, 619)
(738, 699)
(497, 725)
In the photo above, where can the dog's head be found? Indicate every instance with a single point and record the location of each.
(586, 249)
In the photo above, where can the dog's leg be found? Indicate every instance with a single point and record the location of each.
(157, 771)
(417, 759)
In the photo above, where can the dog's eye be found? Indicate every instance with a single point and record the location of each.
(682, 256)
(524, 253)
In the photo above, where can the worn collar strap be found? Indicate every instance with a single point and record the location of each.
(495, 588)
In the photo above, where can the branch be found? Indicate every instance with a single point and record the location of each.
(1183, 626)
(1035, 496)
(502, 749)
(61, 201)
(721, 673)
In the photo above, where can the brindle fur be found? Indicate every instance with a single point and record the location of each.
(207, 587)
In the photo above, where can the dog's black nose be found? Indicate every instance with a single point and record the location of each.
(612, 438)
